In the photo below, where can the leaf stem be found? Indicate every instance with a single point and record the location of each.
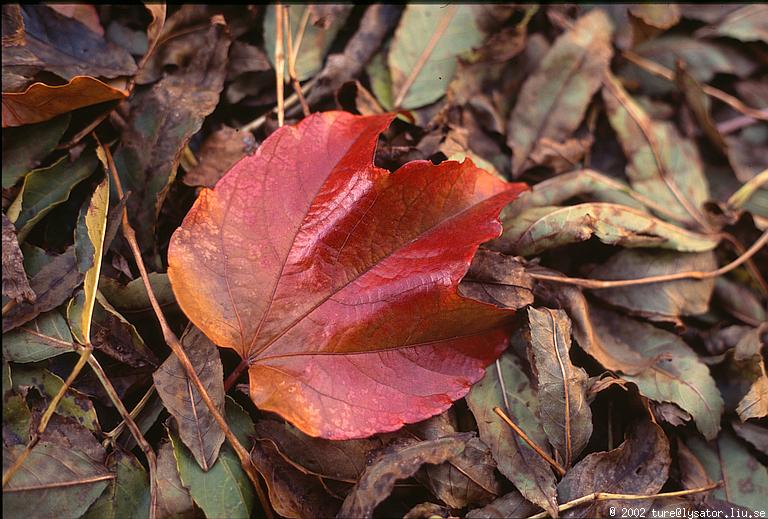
(178, 350)
(601, 284)
(292, 55)
(609, 496)
(135, 431)
(279, 63)
(546, 457)
(232, 378)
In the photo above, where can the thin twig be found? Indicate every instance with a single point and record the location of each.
(663, 72)
(608, 496)
(9, 306)
(600, 284)
(289, 102)
(300, 33)
(503, 387)
(178, 350)
(737, 123)
(292, 62)
(135, 431)
(546, 457)
(745, 192)
(442, 25)
(232, 378)
(118, 430)
(750, 264)
(279, 64)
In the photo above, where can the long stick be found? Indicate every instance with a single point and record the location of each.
(178, 350)
(546, 457)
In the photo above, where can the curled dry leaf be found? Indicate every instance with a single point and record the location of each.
(564, 411)
(15, 282)
(398, 462)
(197, 427)
(337, 281)
(220, 151)
(41, 102)
(640, 465)
(540, 229)
(505, 385)
(554, 99)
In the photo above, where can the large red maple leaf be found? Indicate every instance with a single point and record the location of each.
(337, 280)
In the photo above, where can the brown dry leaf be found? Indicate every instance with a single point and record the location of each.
(397, 462)
(197, 427)
(565, 413)
(497, 279)
(553, 101)
(173, 500)
(15, 282)
(512, 504)
(638, 466)
(560, 156)
(41, 102)
(83, 13)
(466, 479)
(219, 152)
(649, 20)
(754, 433)
(291, 493)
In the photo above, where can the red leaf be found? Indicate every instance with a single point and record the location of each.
(338, 280)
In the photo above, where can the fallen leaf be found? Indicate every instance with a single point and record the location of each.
(428, 511)
(132, 297)
(466, 479)
(127, 494)
(512, 504)
(15, 282)
(61, 45)
(412, 42)
(544, 228)
(497, 279)
(53, 284)
(676, 374)
(83, 13)
(657, 155)
(173, 500)
(638, 466)
(506, 386)
(162, 120)
(44, 189)
(25, 148)
(748, 23)
(243, 58)
(560, 156)
(565, 414)
(40, 339)
(745, 479)
(197, 427)
(739, 301)
(338, 460)
(699, 103)
(754, 433)
(748, 358)
(334, 239)
(554, 99)
(398, 462)
(219, 152)
(291, 493)
(52, 481)
(224, 490)
(665, 301)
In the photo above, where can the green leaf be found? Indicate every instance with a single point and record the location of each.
(74, 404)
(554, 99)
(196, 425)
(132, 297)
(223, 491)
(655, 151)
(45, 337)
(745, 479)
(417, 26)
(542, 228)
(665, 301)
(564, 411)
(676, 376)
(127, 495)
(52, 482)
(46, 188)
(315, 43)
(26, 146)
(506, 386)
